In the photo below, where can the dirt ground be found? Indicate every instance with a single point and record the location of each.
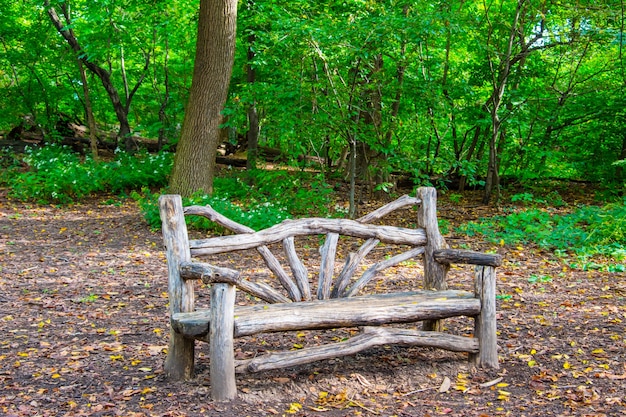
(84, 324)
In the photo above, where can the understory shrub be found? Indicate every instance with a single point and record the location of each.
(587, 231)
(55, 174)
(257, 199)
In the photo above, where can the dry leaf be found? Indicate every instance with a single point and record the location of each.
(445, 385)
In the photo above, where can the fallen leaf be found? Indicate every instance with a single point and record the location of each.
(445, 385)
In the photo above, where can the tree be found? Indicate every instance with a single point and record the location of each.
(194, 165)
(121, 108)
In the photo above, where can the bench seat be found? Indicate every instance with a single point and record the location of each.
(366, 310)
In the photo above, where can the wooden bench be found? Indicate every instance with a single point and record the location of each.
(292, 305)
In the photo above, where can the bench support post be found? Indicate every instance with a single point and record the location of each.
(434, 272)
(485, 329)
(179, 363)
(221, 334)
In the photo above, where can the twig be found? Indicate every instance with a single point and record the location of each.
(419, 390)
(490, 383)
(363, 407)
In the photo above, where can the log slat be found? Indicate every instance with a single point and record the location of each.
(210, 274)
(338, 312)
(376, 268)
(285, 280)
(221, 349)
(272, 263)
(485, 328)
(327, 267)
(179, 363)
(298, 269)
(381, 212)
(353, 261)
(449, 256)
(373, 336)
(310, 226)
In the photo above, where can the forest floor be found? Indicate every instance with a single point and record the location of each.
(84, 324)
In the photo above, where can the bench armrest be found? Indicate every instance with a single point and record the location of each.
(448, 256)
(209, 274)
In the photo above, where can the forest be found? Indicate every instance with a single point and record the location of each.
(460, 93)
(514, 110)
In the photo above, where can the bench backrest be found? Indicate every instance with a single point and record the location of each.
(423, 242)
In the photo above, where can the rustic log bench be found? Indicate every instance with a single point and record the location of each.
(336, 303)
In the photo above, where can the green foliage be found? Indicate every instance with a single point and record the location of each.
(257, 199)
(585, 232)
(444, 226)
(302, 193)
(553, 199)
(410, 80)
(55, 174)
(88, 298)
(455, 198)
(535, 279)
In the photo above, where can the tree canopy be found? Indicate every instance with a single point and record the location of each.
(475, 90)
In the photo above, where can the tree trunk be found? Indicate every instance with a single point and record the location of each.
(253, 118)
(91, 121)
(619, 170)
(500, 77)
(468, 157)
(194, 165)
(163, 139)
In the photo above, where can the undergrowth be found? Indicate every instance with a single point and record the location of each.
(262, 198)
(257, 199)
(55, 175)
(585, 233)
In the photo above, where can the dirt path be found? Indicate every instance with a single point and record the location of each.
(84, 328)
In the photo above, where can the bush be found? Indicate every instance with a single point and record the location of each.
(587, 231)
(55, 174)
(257, 199)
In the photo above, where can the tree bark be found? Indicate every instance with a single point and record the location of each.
(194, 165)
(252, 135)
(91, 121)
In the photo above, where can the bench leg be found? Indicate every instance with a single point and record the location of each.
(179, 363)
(485, 323)
(221, 332)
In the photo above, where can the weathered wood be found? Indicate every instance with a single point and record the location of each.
(270, 260)
(434, 272)
(381, 212)
(210, 213)
(179, 363)
(343, 312)
(449, 256)
(210, 274)
(310, 226)
(485, 328)
(376, 268)
(262, 291)
(223, 386)
(298, 269)
(224, 321)
(274, 265)
(327, 268)
(406, 307)
(353, 261)
(373, 336)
